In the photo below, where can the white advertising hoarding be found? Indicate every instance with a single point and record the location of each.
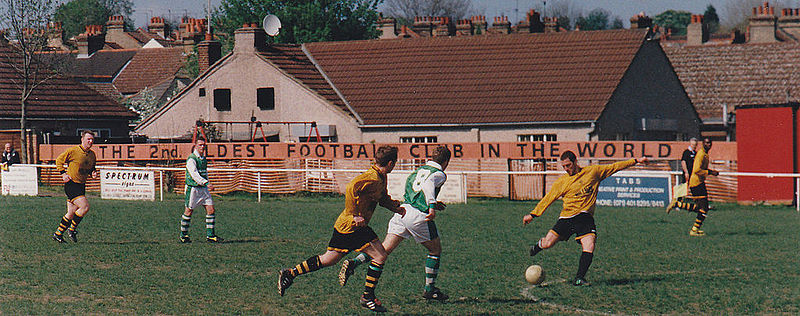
(453, 191)
(127, 184)
(19, 180)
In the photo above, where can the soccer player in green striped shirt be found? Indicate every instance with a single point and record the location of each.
(198, 192)
(422, 188)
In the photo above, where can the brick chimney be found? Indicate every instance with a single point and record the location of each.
(641, 21)
(479, 25)
(209, 52)
(441, 26)
(157, 26)
(90, 41)
(696, 31)
(790, 21)
(55, 36)
(464, 27)
(523, 26)
(115, 27)
(386, 27)
(762, 24)
(423, 26)
(550, 24)
(500, 25)
(535, 21)
(249, 39)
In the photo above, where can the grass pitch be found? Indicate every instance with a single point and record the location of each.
(129, 261)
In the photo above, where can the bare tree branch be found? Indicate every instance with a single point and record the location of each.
(408, 9)
(24, 23)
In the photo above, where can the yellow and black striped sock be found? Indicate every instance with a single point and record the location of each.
(701, 216)
(75, 221)
(310, 265)
(691, 207)
(373, 274)
(62, 226)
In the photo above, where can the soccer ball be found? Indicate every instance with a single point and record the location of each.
(534, 274)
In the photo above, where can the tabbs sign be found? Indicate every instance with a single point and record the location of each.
(127, 184)
(629, 191)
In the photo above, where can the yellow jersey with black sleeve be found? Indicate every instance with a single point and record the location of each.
(699, 168)
(362, 195)
(80, 163)
(579, 191)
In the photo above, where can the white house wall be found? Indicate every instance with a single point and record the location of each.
(244, 74)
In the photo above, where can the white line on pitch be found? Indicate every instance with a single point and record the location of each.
(526, 293)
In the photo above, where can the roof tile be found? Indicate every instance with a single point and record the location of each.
(477, 79)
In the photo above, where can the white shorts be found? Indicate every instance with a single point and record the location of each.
(413, 224)
(196, 196)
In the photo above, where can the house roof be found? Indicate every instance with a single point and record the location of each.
(57, 97)
(737, 74)
(292, 60)
(550, 77)
(149, 67)
(103, 65)
(105, 88)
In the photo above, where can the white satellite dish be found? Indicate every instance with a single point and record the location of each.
(272, 25)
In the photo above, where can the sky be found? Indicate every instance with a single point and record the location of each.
(514, 9)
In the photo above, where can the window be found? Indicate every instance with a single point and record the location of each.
(266, 98)
(324, 139)
(222, 99)
(537, 138)
(202, 92)
(98, 132)
(419, 139)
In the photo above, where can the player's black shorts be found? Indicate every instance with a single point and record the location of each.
(355, 241)
(581, 225)
(699, 191)
(74, 190)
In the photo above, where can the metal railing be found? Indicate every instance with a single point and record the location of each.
(670, 174)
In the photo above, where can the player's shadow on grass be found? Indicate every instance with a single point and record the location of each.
(634, 280)
(735, 233)
(474, 300)
(125, 242)
(243, 241)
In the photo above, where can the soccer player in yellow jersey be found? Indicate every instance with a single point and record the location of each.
(697, 186)
(578, 190)
(350, 231)
(80, 161)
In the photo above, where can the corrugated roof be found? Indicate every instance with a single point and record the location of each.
(476, 79)
(55, 98)
(737, 74)
(149, 67)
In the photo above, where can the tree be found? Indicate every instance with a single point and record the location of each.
(24, 22)
(596, 20)
(566, 11)
(674, 20)
(711, 19)
(143, 103)
(76, 14)
(617, 24)
(303, 20)
(738, 12)
(408, 9)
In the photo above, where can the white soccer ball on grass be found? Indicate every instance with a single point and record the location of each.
(534, 274)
